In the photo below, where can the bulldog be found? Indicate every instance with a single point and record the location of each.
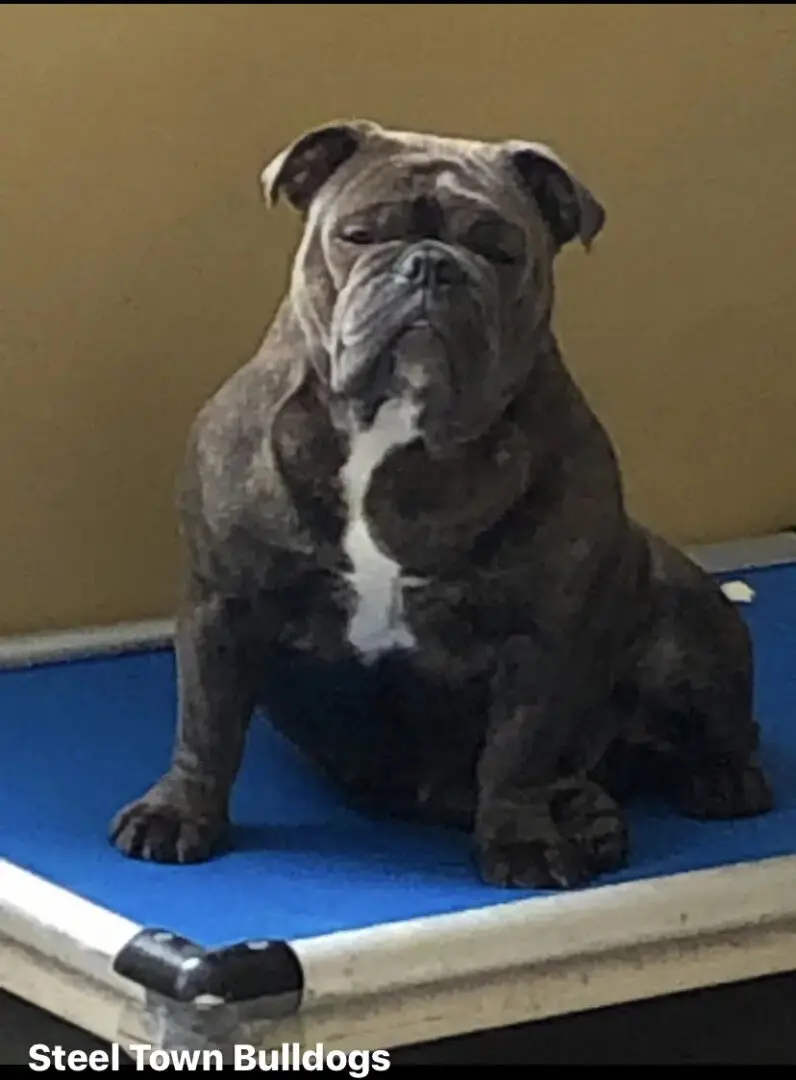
(407, 540)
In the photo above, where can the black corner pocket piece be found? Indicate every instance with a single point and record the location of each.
(177, 968)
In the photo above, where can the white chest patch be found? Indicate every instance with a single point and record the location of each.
(377, 624)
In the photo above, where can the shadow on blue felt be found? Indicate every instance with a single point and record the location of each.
(79, 739)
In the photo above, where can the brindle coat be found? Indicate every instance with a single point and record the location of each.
(553, 636)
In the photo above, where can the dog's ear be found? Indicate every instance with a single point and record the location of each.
(299, 171)
(567, 206)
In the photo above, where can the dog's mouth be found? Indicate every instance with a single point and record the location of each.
(412, 366)
(370, 392)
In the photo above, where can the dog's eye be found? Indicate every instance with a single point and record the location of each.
(499, 256)
(356, 234)
(497, 243)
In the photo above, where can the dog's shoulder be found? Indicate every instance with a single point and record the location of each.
(249, 450)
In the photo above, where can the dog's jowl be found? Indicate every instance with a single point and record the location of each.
(408, 543)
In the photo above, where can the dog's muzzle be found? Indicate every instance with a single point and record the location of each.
(396, 330)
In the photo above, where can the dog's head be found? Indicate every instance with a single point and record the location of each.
(425, 269)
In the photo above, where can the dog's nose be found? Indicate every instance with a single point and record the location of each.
(430, 266)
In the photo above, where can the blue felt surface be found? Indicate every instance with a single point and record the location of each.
(79, 739)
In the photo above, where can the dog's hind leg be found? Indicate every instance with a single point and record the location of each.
(694, 679)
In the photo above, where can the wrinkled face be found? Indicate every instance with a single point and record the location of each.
(424, 276)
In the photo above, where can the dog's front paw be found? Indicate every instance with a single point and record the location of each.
(163, 828)
(579, 835)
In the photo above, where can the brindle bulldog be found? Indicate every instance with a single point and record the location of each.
(408, 543)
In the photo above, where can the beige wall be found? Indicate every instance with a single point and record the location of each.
(138, 266)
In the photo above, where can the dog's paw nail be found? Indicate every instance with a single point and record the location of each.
(566, 869)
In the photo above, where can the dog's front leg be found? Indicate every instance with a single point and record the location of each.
(183, 817)
(541, 822)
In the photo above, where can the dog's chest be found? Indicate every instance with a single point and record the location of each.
(377, 624)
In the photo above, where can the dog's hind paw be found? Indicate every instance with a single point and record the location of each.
(726, 792)
(582, 836)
